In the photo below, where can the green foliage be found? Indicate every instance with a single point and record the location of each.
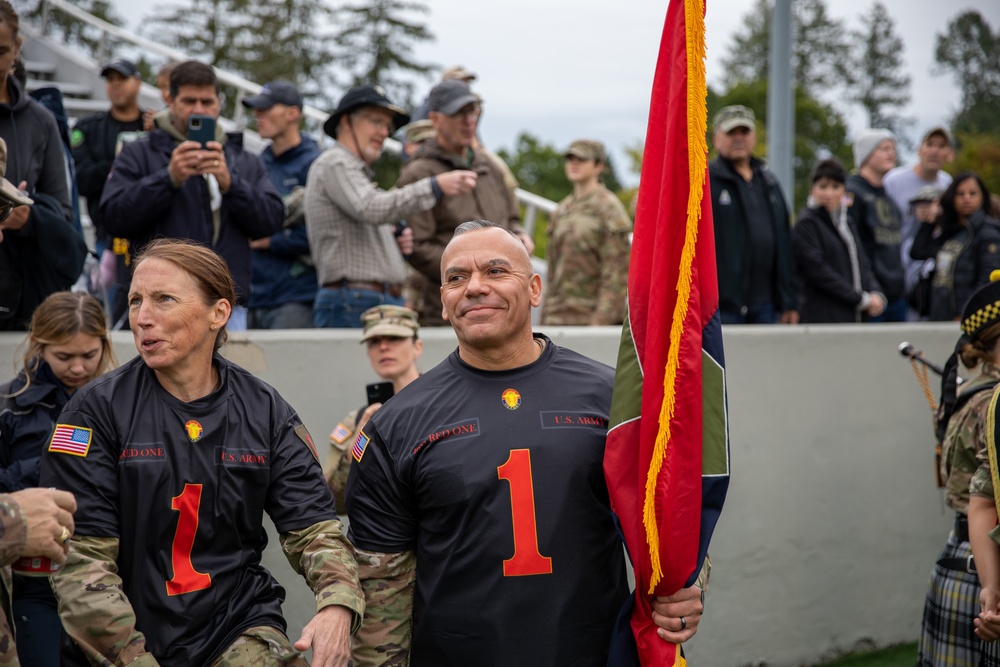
(881, 84)
(820, 131)
(376, 39)
(76, 33)
(901, 655)
(820, 53)
(979, 153)
(261, 41)
(970, 50)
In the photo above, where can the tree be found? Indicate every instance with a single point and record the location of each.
(979, 153)
(261, 41)
(880, 84)
(376, 39)
(75, 32)
(820, 131)
(970, 50)
(820, 53)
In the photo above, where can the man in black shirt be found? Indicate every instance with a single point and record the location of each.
(96, 141)
(752, 231)
(479, 511)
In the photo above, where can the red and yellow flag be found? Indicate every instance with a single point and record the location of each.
(667, 455)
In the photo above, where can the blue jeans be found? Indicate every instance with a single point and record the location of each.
(286, 316)
(761, 313)
(895, 311)
(341, 308)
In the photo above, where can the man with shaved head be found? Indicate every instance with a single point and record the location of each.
(479, 511)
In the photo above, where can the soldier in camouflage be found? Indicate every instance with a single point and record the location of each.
(33, 522)
(588, 246)
(390, 333)
(953, 599)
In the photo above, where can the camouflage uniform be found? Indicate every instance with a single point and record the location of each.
(13, 535)
(965, 441)
(338, 461)
(97, 614)
(588, 254)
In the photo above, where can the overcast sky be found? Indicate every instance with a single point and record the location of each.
(564, 69)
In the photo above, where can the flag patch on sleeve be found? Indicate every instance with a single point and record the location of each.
(67, 439)
(340, 434)
(360, 445)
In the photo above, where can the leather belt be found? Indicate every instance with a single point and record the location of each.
(391, 289)
(966, 564)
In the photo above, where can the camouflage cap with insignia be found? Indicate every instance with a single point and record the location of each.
(586, 149)
(387, 320)
(419, 131)
(731, 117)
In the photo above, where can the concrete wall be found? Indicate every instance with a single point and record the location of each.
(832, 523)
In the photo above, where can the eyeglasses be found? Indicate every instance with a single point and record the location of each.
(378, 122)
(472, 111)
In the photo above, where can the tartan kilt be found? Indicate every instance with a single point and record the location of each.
(947, 638)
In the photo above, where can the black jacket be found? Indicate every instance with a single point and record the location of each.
(823, 263)
(879, 224)
(44, 256)
(731, 247)
(964, 256)
(95, 139)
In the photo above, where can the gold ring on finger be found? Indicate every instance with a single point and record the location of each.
(216, 163)
(64, 535)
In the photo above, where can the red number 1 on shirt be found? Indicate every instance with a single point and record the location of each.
(526, 559)
(186, 578)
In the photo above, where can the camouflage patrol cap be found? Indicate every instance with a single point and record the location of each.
(586, 149)
(731, 117)
(387, 320)
(458, 72)
(983, 308)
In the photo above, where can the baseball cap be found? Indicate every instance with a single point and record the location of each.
(586, 149)
(458, 72)
(387, 320)
(123, 67)
(927, 193)
(276, 92)
(419, 130)
(8, 192)
(938, 130)
(367, 95)
(731, 117)
(449, 96)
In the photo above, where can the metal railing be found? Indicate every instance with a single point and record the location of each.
(314, 117)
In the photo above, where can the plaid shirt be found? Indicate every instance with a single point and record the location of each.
(349, 219)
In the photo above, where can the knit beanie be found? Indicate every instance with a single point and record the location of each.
(867, 142)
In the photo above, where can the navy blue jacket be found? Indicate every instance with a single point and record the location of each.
(140, 203)
(26, 423)
(279, 274)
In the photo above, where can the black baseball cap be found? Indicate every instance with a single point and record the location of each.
(123, 67)
(276, 92)
(368, 95)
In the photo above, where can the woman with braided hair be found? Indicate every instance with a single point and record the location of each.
(948, 637)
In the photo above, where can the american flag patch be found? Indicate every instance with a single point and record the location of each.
(359, 446)
(73, 440)
(340, 434)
